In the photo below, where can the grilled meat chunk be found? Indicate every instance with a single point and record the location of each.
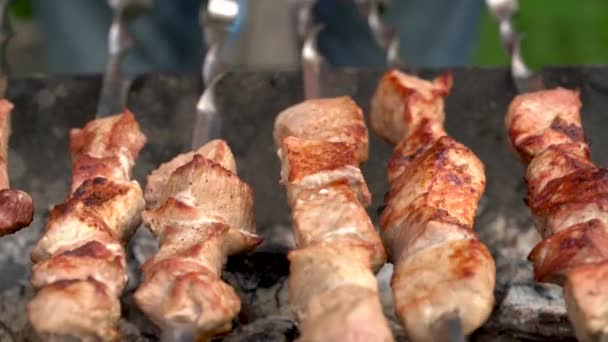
(201, 212)
(567, 195)
(16, 206)
(331, 282)
(435, 184)
(79, 263)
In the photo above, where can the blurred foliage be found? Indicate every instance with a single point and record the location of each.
(22, 9)
(555, 32)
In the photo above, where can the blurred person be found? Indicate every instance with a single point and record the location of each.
(433, 33)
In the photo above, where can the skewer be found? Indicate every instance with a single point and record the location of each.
(313, 64)
(115, 86)
(385, 35)
(218, 19)
(448, 328)
(503, 11)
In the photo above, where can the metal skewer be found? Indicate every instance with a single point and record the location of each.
(115, 87)
(312, 64)
(448, 328)
(385, 35)
(217, 19)
(503, 11)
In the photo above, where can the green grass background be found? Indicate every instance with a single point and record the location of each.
(563, 32)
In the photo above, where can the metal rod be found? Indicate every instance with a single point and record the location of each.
(503, 11)
(448, 328)
(217, 18)
(312, 65)
(385, 35)
(115, 86)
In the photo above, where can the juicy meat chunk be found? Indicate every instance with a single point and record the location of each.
(16, 206)
(68, 308)
(201, 213)
(580, 244)
(540, 119)
(79, 262)
(16, 210)
(115, 140)
(577, 197)
(402, 102)
(435, 184)
(333, 214)
(454, 276)
(314, 164)
(555, 162)
(208, 186)
(216, 151)
(332, 120)
(585, 295)
(448, 176)
(332, 286)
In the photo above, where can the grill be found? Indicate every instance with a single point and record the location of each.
(47, 107)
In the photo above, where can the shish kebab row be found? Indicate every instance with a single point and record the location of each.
(201, 212)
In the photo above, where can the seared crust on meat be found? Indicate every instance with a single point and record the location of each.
(215, 150)
(402, 103)
(114, 140)
(580, 244)
(79, 263)
(427, 221)
(540, 119)
(567, 195)
(448, 176)
(332, 286)
(313, 164)
(16, 206)
(202, 212)
(332, 120)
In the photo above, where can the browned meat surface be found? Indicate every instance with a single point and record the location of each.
(215, 150)
(332, 286)
(105, 148)
(16, 206)
(568, 197)
(427, 223)
(79, 262)
(202, 212)
(332, 120)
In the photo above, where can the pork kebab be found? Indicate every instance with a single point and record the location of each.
(567, 195)
(441, 269)
(16, 206)
(201, 212)
(332, 286)
(79, 263)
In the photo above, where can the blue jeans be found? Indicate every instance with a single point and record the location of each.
(433, 33)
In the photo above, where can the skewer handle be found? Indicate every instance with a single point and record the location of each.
(503, 11)
(114, 91)
(385, 35)
(218, 18)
